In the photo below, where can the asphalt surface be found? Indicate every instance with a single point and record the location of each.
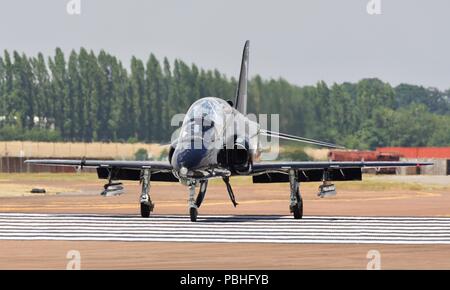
(226, 229)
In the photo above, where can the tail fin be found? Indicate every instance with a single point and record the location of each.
(241, 94)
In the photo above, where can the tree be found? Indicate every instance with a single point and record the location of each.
(139, 100)
(76, 114)
(42, 87)
(93, 97)
(168, 102)
(155, 89)
(60, 103)
(23, 91)
(2, 92)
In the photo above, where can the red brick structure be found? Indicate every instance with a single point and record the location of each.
(418, 152)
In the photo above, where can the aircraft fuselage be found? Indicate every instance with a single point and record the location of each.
(215, 140)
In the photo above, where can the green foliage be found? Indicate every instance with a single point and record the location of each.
(141, 154)
(93, 97)
(164, 155)
(132, 140)
(35, 134)
(293, 154)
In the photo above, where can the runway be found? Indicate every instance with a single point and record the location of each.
(226, 229)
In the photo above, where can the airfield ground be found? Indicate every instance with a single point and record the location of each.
(79, 193)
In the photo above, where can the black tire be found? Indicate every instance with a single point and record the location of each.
(193, 212)
(297, 210)
(145, 210)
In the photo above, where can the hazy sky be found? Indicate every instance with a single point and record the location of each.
(302, 41)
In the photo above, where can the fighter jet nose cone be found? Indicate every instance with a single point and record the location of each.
(185, 160)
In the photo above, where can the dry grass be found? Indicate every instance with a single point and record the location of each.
(12, 184)
(76, 150)
(20, 184)
(9, 189)
(369, 182)
(317, 154)
(378, 184)
(82, 176)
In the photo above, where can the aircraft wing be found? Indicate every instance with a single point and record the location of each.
(270, 172)
(306, 165)
(115, 169)
(156, 165)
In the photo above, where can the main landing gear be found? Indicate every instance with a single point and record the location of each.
(194, 204)
(296, 206)
(146, 203)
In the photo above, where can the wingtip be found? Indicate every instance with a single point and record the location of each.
(32, 161)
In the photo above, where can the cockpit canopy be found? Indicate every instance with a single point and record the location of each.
(205, 121)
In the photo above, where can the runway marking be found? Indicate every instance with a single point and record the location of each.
(226, 229)
(12, 207)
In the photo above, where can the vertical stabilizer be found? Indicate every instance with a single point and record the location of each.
(241, 93)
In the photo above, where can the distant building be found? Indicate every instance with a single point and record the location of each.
(440, 156)
(355, 155)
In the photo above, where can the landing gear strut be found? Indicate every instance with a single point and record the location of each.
(296, 206)
(146, 203)
(194, 204)
(226, 179)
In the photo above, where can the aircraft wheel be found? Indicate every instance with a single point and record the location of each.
(298, 210)
(145, 210)
(193, 212)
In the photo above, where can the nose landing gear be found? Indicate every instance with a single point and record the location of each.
(194, 204)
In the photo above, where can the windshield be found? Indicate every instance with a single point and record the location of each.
(205, 121)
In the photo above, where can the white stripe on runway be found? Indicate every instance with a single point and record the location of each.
(226, 229)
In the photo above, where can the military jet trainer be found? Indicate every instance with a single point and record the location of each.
(218, 140)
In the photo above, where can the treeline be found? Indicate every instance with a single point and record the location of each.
(93, 97)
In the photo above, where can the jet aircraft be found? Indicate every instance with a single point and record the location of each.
(218, 140)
